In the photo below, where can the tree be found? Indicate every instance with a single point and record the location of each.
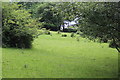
(101, 20)
(18, 26)
(67, 10)
(49, 16)
(97, 20)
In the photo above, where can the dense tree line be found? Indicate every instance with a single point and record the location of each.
(98, 20)
(101, 20)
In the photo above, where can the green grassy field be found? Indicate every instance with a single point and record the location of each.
(61, 57)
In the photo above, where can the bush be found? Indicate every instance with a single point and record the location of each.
(17, 38)
(18, 27)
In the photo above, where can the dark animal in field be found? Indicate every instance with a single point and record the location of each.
(64, 35)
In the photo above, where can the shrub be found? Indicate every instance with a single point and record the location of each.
(18, 27)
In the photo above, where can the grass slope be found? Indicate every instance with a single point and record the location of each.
(59, 57)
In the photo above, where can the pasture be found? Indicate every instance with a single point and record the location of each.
(60, 57)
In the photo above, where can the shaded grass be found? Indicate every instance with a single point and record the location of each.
(61, 57)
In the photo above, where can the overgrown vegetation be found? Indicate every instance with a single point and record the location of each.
(73, 52)
(101, 20)
(49, 16)
(18, 26)
(96, 20)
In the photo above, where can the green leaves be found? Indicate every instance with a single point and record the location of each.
(10, 21)
(99, 20)
(18, 26)
(48, 14)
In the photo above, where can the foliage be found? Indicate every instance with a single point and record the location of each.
(100, 20)
(67, 9)
(49, 15)
(18, 26)
(97, 20)
(29, 6)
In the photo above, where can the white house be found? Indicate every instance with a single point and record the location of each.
(69, 23)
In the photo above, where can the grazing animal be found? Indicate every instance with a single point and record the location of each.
(64, 35)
